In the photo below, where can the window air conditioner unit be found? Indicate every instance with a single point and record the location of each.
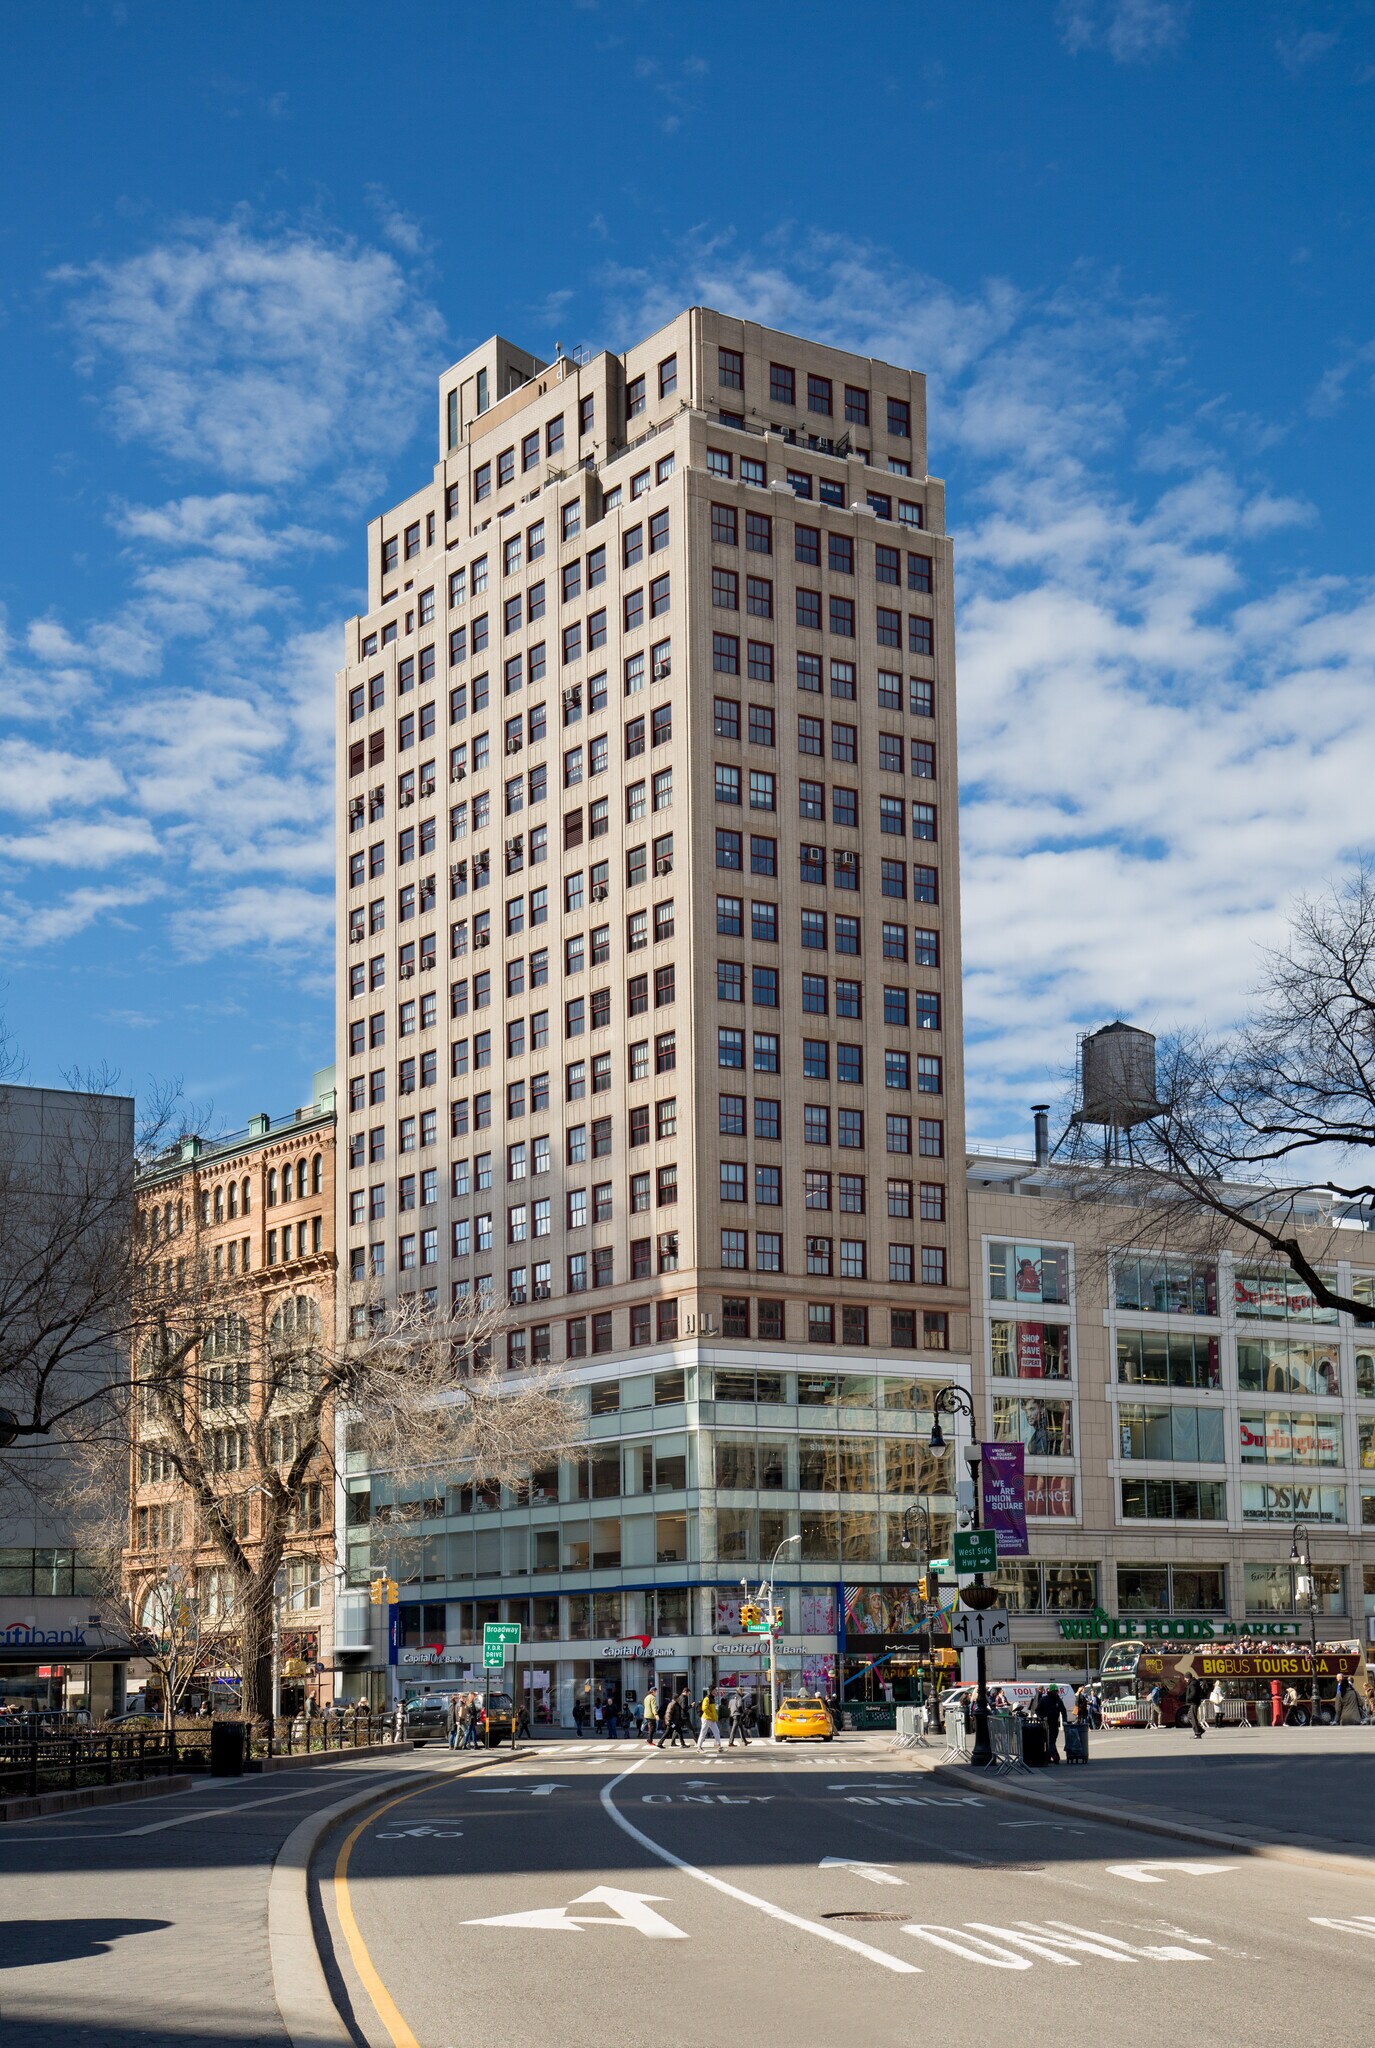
(542, 1290)
(356, 938)
(599, 893)
(406, 970)
(406, 796)
(515, 845)
(513, 746)
(663, 867)
(482, 938)
(379, 795)
(661, 669)
(427, 787)
(459, 774)
(458, 867)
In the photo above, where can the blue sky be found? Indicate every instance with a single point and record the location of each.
(1129, 241)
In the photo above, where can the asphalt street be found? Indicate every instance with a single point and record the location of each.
(145, 1925)
(830, 1892)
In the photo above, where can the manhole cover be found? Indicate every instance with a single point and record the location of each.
(864, 1916)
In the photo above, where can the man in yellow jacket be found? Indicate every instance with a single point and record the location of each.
(711, 1720)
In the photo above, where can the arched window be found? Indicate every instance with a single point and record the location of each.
(205, 1206)
(233, 1198)
(224, 1363)
(181, 1218)
(219, 1205)
(301, 1189)
(153, 1226)
(271, 1187)
(295, 1322)
(167, 1221)
(317, 1175)
(246, 1192)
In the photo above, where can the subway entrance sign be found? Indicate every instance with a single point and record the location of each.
(495, 1637)
(976, 1550)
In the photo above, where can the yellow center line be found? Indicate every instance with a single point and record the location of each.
(398, 2033)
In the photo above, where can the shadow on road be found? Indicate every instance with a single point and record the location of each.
(26, 1943)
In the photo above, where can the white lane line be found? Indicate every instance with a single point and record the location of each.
(182, 1820)
(896, 1964)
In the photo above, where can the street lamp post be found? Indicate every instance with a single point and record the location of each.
(920, 1508)
(1301, 1562)
(766, 1601)
(953, 1400)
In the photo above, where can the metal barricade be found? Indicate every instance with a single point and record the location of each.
(1005, 1735)
(911, 1728)
(956, 1735)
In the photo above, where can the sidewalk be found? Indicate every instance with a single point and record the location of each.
(1301, 1788)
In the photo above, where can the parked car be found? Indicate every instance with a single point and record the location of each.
(427, 1719)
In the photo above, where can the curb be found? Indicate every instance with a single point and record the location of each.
(1300, 1853)
(310, 1759)
(32, 1807)
(300, 1987)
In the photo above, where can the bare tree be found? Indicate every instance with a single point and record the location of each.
(241, 1412)
(1267, 1137)
(166, 1611)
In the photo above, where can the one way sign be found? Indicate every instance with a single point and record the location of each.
(974, 1628)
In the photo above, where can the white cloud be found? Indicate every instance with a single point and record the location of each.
(264, 357)
(30, 925)
(83, 843)
(1131, 31)
(280, 370)
(296, 922)
(1298, 48)
(35, 780)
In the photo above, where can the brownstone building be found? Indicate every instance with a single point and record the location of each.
(256, 1208)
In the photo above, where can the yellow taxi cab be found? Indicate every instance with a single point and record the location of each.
(802, 1719)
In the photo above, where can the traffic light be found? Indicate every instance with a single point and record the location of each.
(777, 1617)
(922, 1583)
(749, 1614)
(393, 1592)
(376, 1589)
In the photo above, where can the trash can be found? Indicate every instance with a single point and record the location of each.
(227, 1747)
(1035, 1744)
(1076, 1742)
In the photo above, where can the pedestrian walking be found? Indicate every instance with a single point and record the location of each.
(598, 1716)
(451, 1719)
(672, 1730)
(651, 1715)
(710, 1722)
(1195, 1693)
(736, 1716)
(1153, 1699)
(1215, 1700)
(579, 1716)
(469, 1722)
(520, 1726)
(1053, 1710)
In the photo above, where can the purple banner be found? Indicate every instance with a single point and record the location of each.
(1003, 1480)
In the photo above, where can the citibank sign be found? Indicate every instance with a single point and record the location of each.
(20, 1632)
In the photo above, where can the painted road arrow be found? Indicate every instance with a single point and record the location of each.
(634, 1910)
(877, 1873)
(1144, 1873)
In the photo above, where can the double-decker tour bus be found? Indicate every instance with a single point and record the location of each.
(1248, 1668)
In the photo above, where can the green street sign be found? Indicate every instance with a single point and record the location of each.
(976, 1550)
(940, 1564)
(494, 1656)
(496, 1634)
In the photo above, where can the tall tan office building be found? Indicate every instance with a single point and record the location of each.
(650, 962)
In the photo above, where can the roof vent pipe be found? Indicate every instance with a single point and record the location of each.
(1040, 1114)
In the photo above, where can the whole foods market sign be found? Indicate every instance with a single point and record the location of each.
(1098, 1627)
